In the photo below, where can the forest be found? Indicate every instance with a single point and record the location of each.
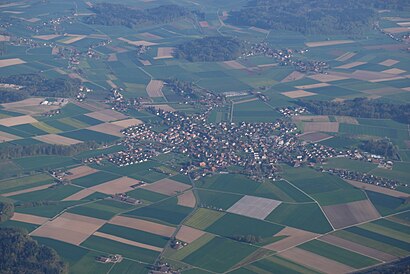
(21, 254)
(314, 16)
(121, 15)
(209, 49)
(6, 211)
(383, 147)
(36, 85)
(361, 108)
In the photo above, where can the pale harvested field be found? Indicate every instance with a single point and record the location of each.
(294, 76)
(11, 62)
(55, 51)
(351, 65)
(111, 83)
(346, 56)
(350, 213)
(57, 140)
(387, 79)
(328, 43)
(404, 24)
(69, 228)
(234, 65)
(137, 43)
(294, 237)
(188, 234)
(5, 137)
(315, 137)
(396, 19)
(117, 49)
(79, 172)
(19, 120)
(31, 106)
(167, 187)
(319, 85)
(347, 120)
(315, 261)
(397, 30)
(394, 71)
(259, 30)
(370, 75)
(95, 107)
(73, 39)
(316, 118)
(383, 91)
(79, 195)
(120, 185)
(245, 101)
(126, 241)
(31, 219)
(389, 62)
(298, 94)
(108, 128)
(112, 57)
(406, 89)
(379, 189)
(148, 35)
(147, 226)
(254, 207)
(164, 53)
(357, 248)
(325, 78)
(321, 126)
(4, 38)
(267, 65)
(27, 190)
(204, 24)
(145, 62)
(127, 122)
(154, 88)
(187, 199)
(107, 115)
(77, 76)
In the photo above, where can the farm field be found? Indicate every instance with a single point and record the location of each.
(203, 137)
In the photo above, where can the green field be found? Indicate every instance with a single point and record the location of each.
(21, 183)
(44, 162)
(95, 179)
(338, 254)
(303, 216)
(387, 204)
(203, 218)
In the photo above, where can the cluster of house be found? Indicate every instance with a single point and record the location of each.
(109, 259)
(82, 93)
(291, 111)
(364, 178)
(284, 57)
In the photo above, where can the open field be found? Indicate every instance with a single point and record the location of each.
(328, 43)
(108, 128)
(19, 120)
(254, 207)
(204, 218)
(120, 185)
(187, 199)
(79, 172)
(27, 190)
(55, 139)
(164, 53)
(31, 219)
(143, 225)
(125, 241)
(107, 115)
(154, 88)
(11, 62)
(298, 94)
(5, 137)
(343, 215)
(379, 189)
(321, 126)
(188, 234)
(127, 122)
(294, 237)
(167, 187)
(70, 228)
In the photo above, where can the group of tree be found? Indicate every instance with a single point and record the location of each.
(20, 254)
(312, 16)
(37, 85)
(361, 108)
(251, 239)
(210, 49)
(16, 151)
(6, 211)
(383, 147)
(121, 15)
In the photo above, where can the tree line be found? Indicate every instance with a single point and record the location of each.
(121, 15)
(37, 85)
(6, 211)
(383, 147)
(17, 151)
(210, 49)
(313, 16)
(361, 108)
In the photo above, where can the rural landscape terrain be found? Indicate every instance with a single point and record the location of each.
(204, 136)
